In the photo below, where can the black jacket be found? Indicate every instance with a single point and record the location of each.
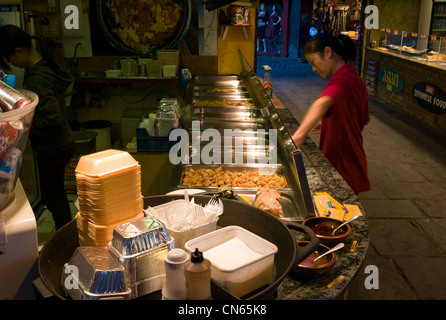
(50, 128)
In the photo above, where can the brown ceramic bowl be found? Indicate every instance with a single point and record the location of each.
(323, 226)
(308, 268)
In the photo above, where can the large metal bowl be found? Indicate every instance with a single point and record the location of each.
(59, 249)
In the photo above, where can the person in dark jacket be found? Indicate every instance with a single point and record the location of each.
(50, 133)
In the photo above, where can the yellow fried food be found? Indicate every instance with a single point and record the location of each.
(221, 103)
(244, 179)
(220, 90)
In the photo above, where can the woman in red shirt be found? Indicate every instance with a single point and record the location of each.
(341, 111)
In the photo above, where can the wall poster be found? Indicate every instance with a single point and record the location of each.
(391, 80)
(430, 97)
(272, 28)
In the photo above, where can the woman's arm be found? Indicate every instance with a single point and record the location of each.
(317, 110)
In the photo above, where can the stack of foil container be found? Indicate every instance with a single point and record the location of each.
(138, 248)
(92, 274)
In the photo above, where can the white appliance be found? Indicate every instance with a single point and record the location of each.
(18, 243)
(18, 228)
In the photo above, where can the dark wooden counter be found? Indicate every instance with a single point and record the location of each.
(411, 71)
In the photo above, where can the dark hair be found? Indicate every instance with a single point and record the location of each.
(13, 37)
(342, 45)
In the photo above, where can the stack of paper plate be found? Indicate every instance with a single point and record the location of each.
(109, 193)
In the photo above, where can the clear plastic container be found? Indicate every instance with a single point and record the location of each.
(181, 237)
(14, 131)
(241, 261)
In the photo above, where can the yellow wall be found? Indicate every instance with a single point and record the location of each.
(228, 57)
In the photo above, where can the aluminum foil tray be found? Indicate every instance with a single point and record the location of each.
(93, 274)
(140, 246)
(140, 236)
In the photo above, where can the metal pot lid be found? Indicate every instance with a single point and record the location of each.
(137, 26)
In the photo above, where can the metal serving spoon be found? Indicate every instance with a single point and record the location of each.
(349, 220)
(337, 247)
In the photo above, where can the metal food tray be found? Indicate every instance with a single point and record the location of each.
(256, 153)
(260, 168)
(290, 210)
(227, 112)
(235, 85)
(209, 101)
(217, 81)
(287, 200)
(221, 124)
(245, 137)
(221, 95)
(248, 138)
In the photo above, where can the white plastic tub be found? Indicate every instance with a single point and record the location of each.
(241, 261)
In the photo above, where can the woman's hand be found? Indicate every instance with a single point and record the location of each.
(298, 138)
(312, 119)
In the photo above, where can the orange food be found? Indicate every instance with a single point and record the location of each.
(220, 177)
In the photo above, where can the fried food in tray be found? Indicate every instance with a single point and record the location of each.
(268, 199)
(221, 103)
(207, 177)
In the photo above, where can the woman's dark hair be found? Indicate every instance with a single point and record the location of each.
(13, 37)
(342, 45)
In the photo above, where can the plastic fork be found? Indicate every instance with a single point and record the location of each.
(214, 205)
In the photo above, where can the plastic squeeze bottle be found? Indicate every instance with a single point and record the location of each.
(175, 287)
(198, 276)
